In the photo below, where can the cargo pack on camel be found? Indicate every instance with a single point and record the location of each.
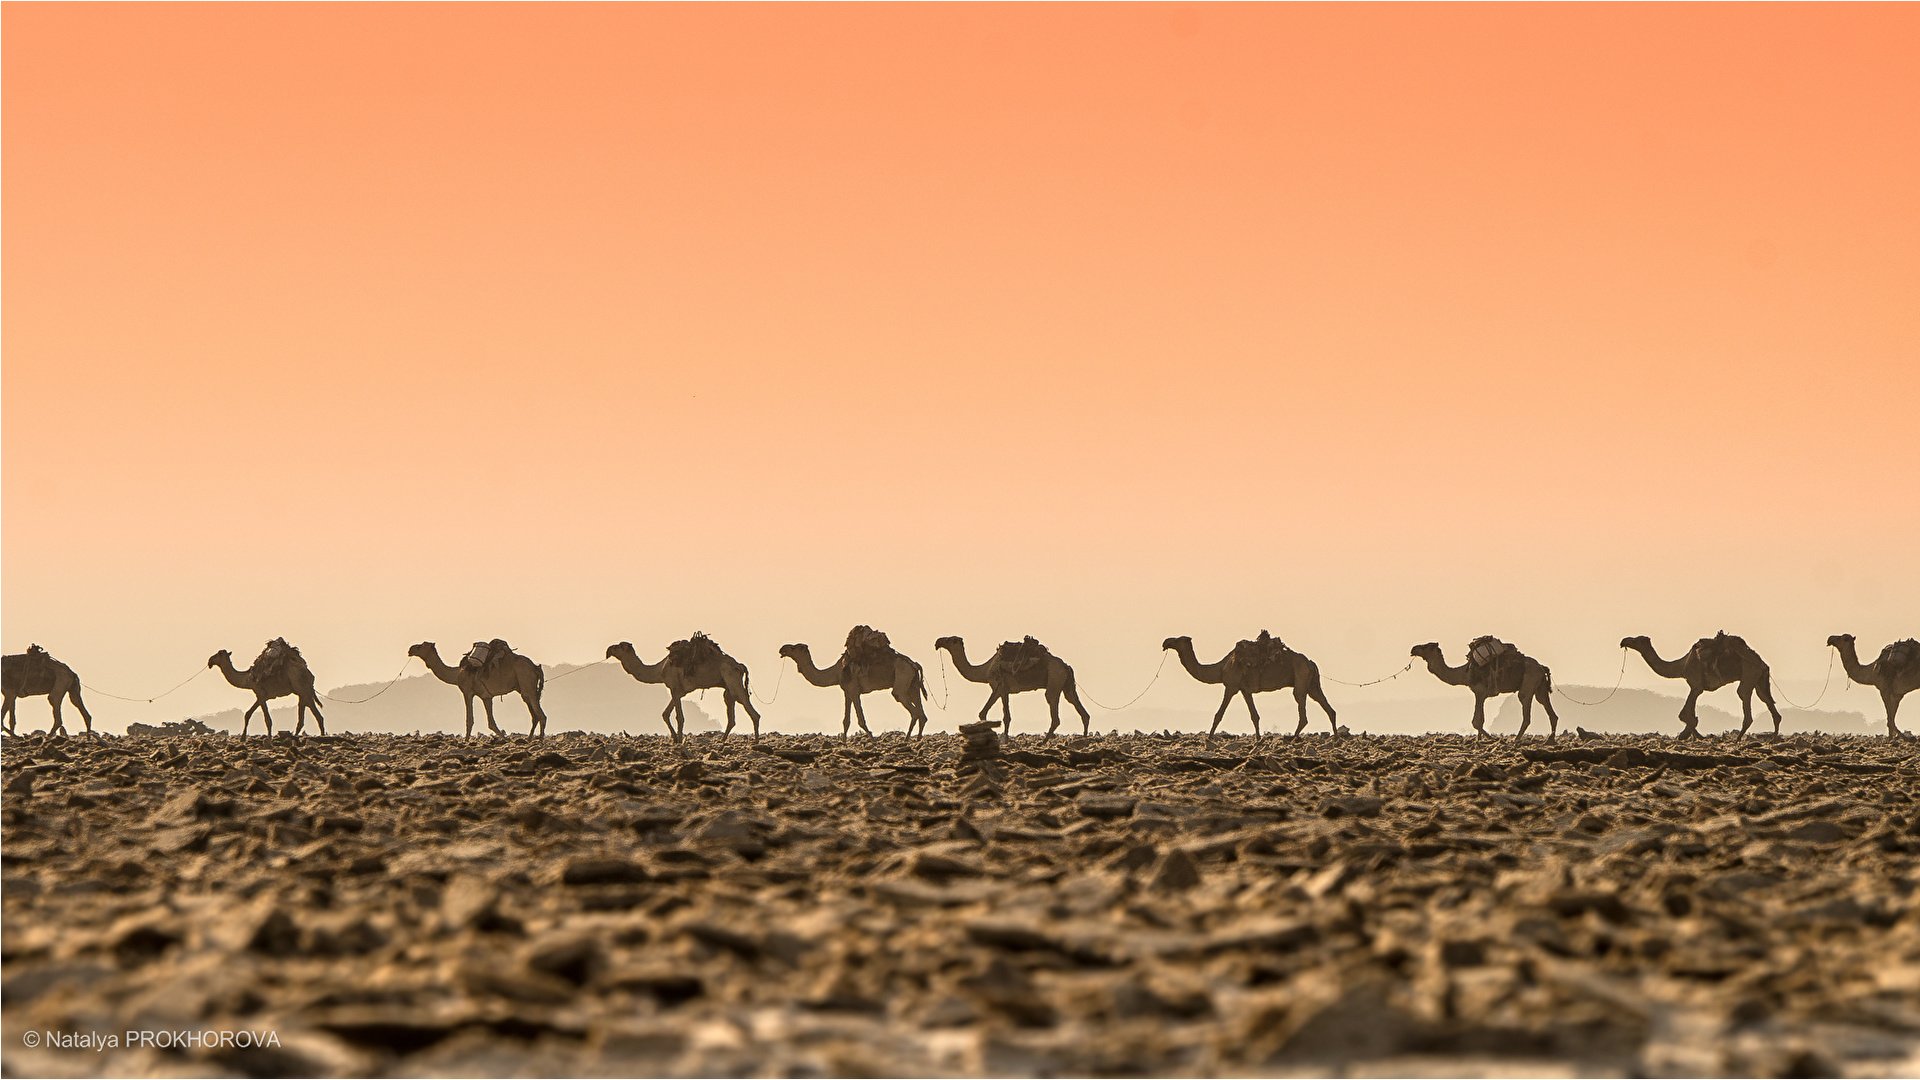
(1720, 656)
(1261, 652)
(865, 645)
(274, 659)
(486, 655)
(692, 652)
(1023, 656)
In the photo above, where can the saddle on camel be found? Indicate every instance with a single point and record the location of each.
(865, 645)
(1018, 657)
(1261, 652)
(486, 655)
(694, 651)
(274, 658)
(1720, 656)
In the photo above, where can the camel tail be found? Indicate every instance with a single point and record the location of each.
(922, 672)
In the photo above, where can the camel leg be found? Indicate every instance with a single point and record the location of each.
(1053, 711)
(247, 718)
(1252, 712)
(266, 717)
(1479, 714)
(469, 715)
(666, 717)
(1888, 695)
(318, 720)
(846, 714)
(1766, 698)
(73, 695)
(537, 717)
(6, 713)
(487, 703)
(1086, 718)
(1006, 715)
(59, 726)
(1689, 716)
(860, 714)
(910, 701)
(1300, 701)
(1225, 700)
(299, 716)
(1526, 713)
(1545, 698)
(1746, 709)
(1320, 696)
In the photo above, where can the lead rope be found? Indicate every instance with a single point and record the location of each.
(375, 694)
(1616, 684)
(1823, 687)
(1375, 682)
(578, 669)
(148, 700)
(1141, 694)
(945, 694)
(777, 680)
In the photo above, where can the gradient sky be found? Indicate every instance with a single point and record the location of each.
(1373, 325)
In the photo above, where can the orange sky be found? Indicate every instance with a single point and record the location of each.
(1374, 325)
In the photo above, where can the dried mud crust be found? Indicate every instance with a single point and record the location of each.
(1113, 905)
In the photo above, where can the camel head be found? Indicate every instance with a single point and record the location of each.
(224, 655)
(1429, 651)
(1639, 642)
(951, 641)
(1177, 642)
(424, 650)
(794, 651)
(1838, 640)
(619, 649)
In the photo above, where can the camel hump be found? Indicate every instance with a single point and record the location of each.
(866, 643)
(1900, 657)
(275, 657)
(1486, 649)
(1020, 655)
(698, 649)
(1260, 652)
(486, 653)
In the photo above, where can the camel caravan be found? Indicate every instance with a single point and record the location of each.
(868, 662)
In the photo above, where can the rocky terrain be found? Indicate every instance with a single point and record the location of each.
(587, 905)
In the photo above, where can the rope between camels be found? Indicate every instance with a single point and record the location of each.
(376, 693)
(579, 669)
(1141, 694)
(945, 694)
(1823, 688)
(777, 680)
(1616, 685)
(148, 700)
(1375, 682)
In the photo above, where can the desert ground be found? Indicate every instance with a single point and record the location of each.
(1114, 905)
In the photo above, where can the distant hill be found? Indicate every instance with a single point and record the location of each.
(592, 697)
(603, 698)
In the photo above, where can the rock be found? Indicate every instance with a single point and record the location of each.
(1176, 873)
(591, 870)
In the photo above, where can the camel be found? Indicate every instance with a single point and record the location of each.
(511, 674)
(286, 674)
(33, 673)
(1895, 674)
(1006, 673)
(856, 677)
(1711, 664)
(1508, 672)
(1286, 668)
(695, 663)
